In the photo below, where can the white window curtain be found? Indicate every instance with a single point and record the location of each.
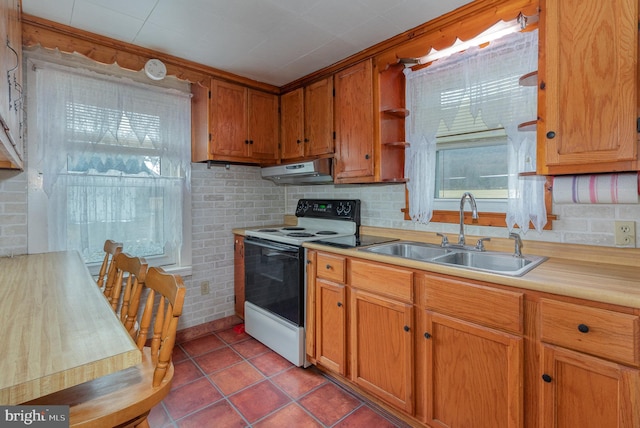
(114, 156)
(434, 95)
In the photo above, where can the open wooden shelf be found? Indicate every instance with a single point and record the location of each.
(528, 126)
(402, 144)
(529, 79)
(397, 112)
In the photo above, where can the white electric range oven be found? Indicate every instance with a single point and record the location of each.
(275, 283)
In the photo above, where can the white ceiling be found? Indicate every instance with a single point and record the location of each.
(271, 41)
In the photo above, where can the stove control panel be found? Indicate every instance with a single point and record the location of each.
(334, 209)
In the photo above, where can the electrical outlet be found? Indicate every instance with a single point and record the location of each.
(625, 232)
(204, 287)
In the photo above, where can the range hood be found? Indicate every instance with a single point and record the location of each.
(317, 171)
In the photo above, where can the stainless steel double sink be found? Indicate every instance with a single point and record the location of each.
(486, 261)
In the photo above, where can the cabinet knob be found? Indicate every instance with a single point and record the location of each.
(328, 266)
(298, 141)
(250, 141)
(551, 135)
(543, 85)
(546, 378)
(339, 304)
(406, 328)
(583, 328)
(427, 336)
(306, 140)
(246, 142)
(366, 156)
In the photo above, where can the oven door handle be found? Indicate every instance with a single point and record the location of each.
(280, 248)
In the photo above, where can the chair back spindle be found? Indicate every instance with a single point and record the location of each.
(111, 248)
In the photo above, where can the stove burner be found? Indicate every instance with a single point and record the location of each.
(326, 232)
(268, 230)
(300, 234)
(293, 228)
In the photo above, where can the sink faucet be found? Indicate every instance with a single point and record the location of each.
(474, 214)
(518, 244)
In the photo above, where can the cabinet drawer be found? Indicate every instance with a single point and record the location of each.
(477, 303)
(331, 267)
(382, 279)
(600, 332)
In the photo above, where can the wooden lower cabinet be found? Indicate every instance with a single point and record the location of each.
(238, 274)
(579, 390)
(473, 374)
(381, 343)
(331, 322)
(443, 351)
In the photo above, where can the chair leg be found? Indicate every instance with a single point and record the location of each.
(143, 424)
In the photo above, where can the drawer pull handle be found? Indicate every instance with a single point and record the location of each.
(546, 378)
(583, 328)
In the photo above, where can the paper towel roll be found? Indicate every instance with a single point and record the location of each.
(596, 189)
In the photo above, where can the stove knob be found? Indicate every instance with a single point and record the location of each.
(347, 209)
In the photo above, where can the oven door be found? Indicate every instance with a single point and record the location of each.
(274, 278)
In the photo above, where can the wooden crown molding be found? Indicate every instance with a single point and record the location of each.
(52, 35)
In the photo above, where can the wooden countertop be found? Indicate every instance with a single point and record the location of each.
(59, 330)
(601, 274)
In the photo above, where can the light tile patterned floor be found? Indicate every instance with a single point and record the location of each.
(228, 379)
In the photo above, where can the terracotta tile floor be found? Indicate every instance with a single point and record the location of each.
(228, 379)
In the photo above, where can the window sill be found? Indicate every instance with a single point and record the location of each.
(180, 270)
(484, 219)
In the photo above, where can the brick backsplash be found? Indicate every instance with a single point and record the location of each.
(13, 213)
(226, 198)
(382, 204)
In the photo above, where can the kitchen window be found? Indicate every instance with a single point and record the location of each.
(110, 161)
(463, 129)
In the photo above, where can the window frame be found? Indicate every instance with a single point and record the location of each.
(37, 240)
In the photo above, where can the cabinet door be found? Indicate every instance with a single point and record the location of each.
(11, 86)
(587, 392)
(381, 347)
(331, 325)
(229, 120)
(588, 79)
(292, 124)
(238, 274)
(354, 124)
(318, 107)
(263, 125)
(474, 374)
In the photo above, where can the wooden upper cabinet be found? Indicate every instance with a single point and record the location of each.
(354, 122)
(233, 123)
(11, 87)
(307, 121)
(588, 80)
(229, 122)
(318, 114)
(292, 124)
(263, 125)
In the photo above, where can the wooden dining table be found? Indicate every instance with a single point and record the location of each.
(57, 328)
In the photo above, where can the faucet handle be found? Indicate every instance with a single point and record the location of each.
(445, 240)
(480, 244)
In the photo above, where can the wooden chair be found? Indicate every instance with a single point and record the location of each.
(111, 248)
(128, 280)
(125, 398)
